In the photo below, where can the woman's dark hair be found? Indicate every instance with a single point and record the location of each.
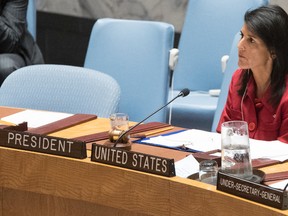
(270, 23)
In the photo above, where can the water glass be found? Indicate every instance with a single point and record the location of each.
(236, 158)
(208, 170)
(119, 124)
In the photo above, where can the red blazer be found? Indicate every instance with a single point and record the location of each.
(264, 121)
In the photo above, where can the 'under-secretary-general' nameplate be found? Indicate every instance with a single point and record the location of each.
(253, 191)
(43, 144)
(133, 160)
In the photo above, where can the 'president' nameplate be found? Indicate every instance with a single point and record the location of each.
(252, 191)
(133, 160)
(43, 144)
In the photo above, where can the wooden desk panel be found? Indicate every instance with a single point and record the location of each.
(49, 181)
(41, 184)
(28, 203)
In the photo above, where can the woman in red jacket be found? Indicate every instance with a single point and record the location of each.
(258, 92)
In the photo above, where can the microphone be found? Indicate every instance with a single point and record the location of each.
(182, 93)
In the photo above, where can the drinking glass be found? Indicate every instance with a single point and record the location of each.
(236, 158)
(208, 170)
(119, 124)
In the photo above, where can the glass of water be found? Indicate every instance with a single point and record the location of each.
(119, 124)
(208, 170)
(235, 152)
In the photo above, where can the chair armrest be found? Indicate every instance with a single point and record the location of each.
(173, 58)
(224, 61)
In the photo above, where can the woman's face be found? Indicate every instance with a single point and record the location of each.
(252, 52)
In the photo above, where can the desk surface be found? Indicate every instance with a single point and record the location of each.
(41, 184)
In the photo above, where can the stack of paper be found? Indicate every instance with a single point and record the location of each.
(194, 139)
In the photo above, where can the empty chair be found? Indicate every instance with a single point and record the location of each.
(207, 35)
(231, 67)
(136, 54)
(61, 88)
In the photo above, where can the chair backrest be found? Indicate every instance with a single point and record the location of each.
(136, 54)
(207, 35)
(231, 67)
(31, 17)
(61, 88)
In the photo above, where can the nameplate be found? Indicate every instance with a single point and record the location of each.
(252, 191)
(43, 144)
(133, 160)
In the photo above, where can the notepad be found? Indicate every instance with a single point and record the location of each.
(35, 118)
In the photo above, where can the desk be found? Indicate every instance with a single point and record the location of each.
(41, 184)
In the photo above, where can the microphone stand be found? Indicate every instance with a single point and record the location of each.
(183, 93)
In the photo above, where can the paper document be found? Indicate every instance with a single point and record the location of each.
(274, 150)
(197, 140)
(35, 118)
(280, 185)
(186, 167)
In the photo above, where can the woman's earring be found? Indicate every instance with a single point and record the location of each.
(273, 55)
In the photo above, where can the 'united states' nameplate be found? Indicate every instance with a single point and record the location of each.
(43, 143)
(133, 160)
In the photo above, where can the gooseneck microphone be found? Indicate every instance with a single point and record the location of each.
(182, 93)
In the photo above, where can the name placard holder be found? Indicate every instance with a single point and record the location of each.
(133, 160)
(253, 191)
(42, 143)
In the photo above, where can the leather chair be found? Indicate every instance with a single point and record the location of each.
(231, 67)
(61, 88)
(136, 54)
(207, 35)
